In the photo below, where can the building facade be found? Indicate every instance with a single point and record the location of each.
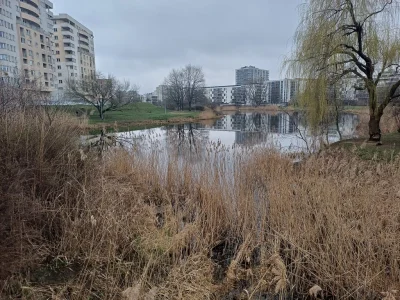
(10, 62)
(281, 91)
(74, 51)
(250, 75)
(226, 94)
(271, 92)
(35, 37)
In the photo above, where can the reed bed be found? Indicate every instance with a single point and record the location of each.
(246, 224)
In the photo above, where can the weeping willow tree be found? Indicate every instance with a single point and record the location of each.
(342, 40)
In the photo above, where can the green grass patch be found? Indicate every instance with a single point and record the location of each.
(136, 112)
(370, 151)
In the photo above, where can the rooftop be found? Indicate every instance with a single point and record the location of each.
(72, 20)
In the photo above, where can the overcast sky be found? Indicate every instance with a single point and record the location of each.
(142, 40)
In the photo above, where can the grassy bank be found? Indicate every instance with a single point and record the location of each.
(77, 225)
(389, 149)
(370, 151)
(137, 115)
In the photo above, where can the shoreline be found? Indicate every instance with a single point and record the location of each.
(202, 117)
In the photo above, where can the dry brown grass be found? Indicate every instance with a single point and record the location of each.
(90, 227)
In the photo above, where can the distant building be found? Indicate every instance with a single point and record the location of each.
(250, 75)
(353, 92)
(161, 93)
(226, 94)
(272, 92)
(74, 50)
(281, 91)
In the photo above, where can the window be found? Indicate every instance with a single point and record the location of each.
(60, 81)
(57, 45)
(59, 74)
(58, 60)
(56, 37)
(59, 67)
(55, 30)
(23, 40)
(57, 52)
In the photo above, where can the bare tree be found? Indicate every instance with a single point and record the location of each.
(255, 93)
(20, 92)
(194, 84)
(175, 89)
(104, 93)
(185, 87)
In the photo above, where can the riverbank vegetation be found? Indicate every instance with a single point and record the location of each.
(347, 43)
(136, 114)
(77, 224)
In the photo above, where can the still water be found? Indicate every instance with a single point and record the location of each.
(281, 131)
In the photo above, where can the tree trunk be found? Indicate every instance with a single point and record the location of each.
(374, 114)
(374, 128)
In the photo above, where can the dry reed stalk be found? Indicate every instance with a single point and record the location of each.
(187, 229)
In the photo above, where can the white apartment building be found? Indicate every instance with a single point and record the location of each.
(226, 94)
(9, 47)
(74, 51)
(273, 92)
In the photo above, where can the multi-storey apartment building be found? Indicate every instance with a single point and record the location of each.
(251, 75)
(273, 92)
(34, 30)
(226, 94)
(281, 91)
(9, 48)
(74, 50)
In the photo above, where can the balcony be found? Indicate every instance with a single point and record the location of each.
(49, 5)
(81, 42)
(66, 28)
(30, 7)
(84, 50)
(84, 37)
(34, 3)
(68, 37)
(29, 18)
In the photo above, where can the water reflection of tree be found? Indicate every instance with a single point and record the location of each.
(186, 138)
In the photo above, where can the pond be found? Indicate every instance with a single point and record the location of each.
(285, 132)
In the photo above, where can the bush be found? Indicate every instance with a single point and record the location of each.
(38, 175)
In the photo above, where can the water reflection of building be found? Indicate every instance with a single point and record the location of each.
(280, 123)
(250, 138)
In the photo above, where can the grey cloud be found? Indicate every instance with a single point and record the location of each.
(142, 40)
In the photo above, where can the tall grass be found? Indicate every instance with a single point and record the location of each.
(84, 226)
